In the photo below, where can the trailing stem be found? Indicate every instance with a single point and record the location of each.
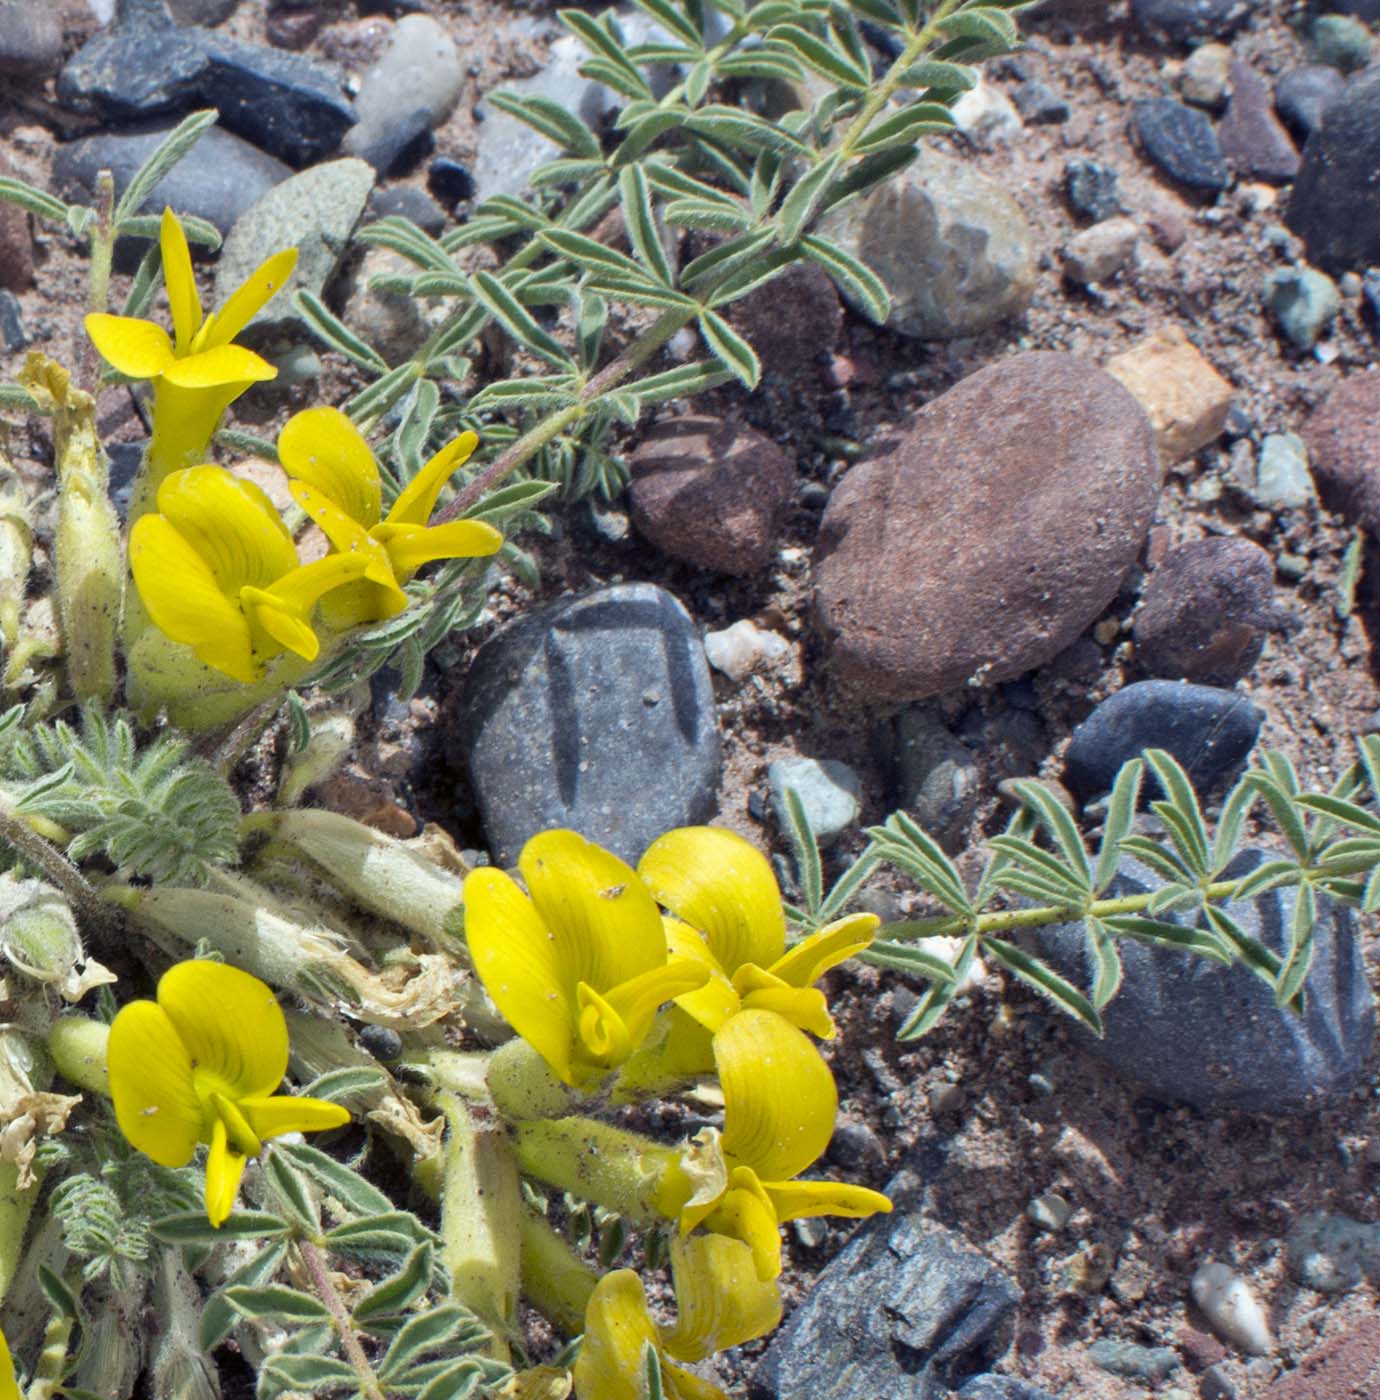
(314, 1260)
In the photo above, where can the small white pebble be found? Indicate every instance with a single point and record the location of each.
(1230, 1305)
(683, 345)
(743, 648)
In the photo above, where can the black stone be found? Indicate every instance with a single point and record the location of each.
(223, 178)
(408, 202)
(1092, 190)
(906, 1311)
(1189, 21)
(13, 334)
(1303, 94)
(1193, 1031)
(596, 713)
(144, 65)
(1335, 204)
(1181, 141)
(449, 181)
(407, 141)
(1209, 731)
(1039, 104)
(381, 1042)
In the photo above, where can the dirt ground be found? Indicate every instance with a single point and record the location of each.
(1156, 1189)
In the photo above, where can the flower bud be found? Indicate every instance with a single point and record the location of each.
(39, 937)
(87, 551)
(329, 743)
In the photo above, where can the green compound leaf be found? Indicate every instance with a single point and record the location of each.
(1302, 938)
(311, 1375)
(1105, 960)
(743, 131)
(1044, 980)
(1261, 960)
(192, 1227)
(509, 312)
(287, 1184)
(1121, 814)
(640, 219)
(337, 1180)
(805, 845)
(1167, 935)
(396, 1294)
(218, 1318)
(905, 127)
(31, 198)
(1060, 827)
(906, 957)
(673, 18)
(1268, 876)
(801, 205)
(431, 1330)
(822, 57)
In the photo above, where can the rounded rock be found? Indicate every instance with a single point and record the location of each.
(1335, 204)
(1303, 94)
(1100, 252)
(792, 320)
(1007, 512)
(1230, 1304)
(712, 493)
(951, 246)
(1343, 437)
(1189, 21)
(1205, 611)
(1340, 42)
(30, 38)
(1303, 302)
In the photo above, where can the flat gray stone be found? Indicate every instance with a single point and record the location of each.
(595, 713)
(830, 793)
(315, 212)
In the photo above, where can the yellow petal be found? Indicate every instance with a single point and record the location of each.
(599, 913)
(224, 1169)
(323, 448)
(139, 349)
(686, 1385)
(360, 602)
(151, 1085)
(801, 1006)
(185, 601)
(283, 610)
(639, 999)
(239, 1135)
(226, 364)
(183, 300)
(417, 499)
(618, 1329)
(184, 421)
(521, 966)
(721, 1301)
(712, 1004)
(744, 1212)
(231, 1025)
(411, 546)
(721, 885)
(292, 1113)
(348, 536)
(779, 1096)
(812, 957)
(675, 1050)
(793, 1199)
(231, 524)
(9, 1387)
(265, 282)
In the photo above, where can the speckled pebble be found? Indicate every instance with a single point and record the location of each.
(1303, 302)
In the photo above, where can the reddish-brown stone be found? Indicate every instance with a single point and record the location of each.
(989, 532)
(1343, 438)
(1345, 1368)
(711, 493)
(16, 241)
(793, 321)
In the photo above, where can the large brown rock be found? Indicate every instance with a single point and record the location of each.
(711, 493)
(984, 537)
(1343, 439)
(1345, 1368)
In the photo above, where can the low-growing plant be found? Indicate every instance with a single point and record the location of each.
(477, 1053)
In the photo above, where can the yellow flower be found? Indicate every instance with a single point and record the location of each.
(200, 1065)
(779, 1109)
(218, 572)
(197, 373)
(9, 1388)
(577, 965)
(721, 1303)
(729, 917)
(336, 481)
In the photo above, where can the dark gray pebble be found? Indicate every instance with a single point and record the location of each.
(595, 712)
(1335, 203)
(1039, 104)
(1181, 141)
(144, 65)
(1092, 190)
(1303, 94)
(908, 1310)
(1209, 731)
(1189, 21)
(408, 202)
(13, 335)
(449, 181)
(1250, 134)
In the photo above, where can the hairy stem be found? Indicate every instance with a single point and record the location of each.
(1012, 920)
(315, 1262)
(16, 832)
